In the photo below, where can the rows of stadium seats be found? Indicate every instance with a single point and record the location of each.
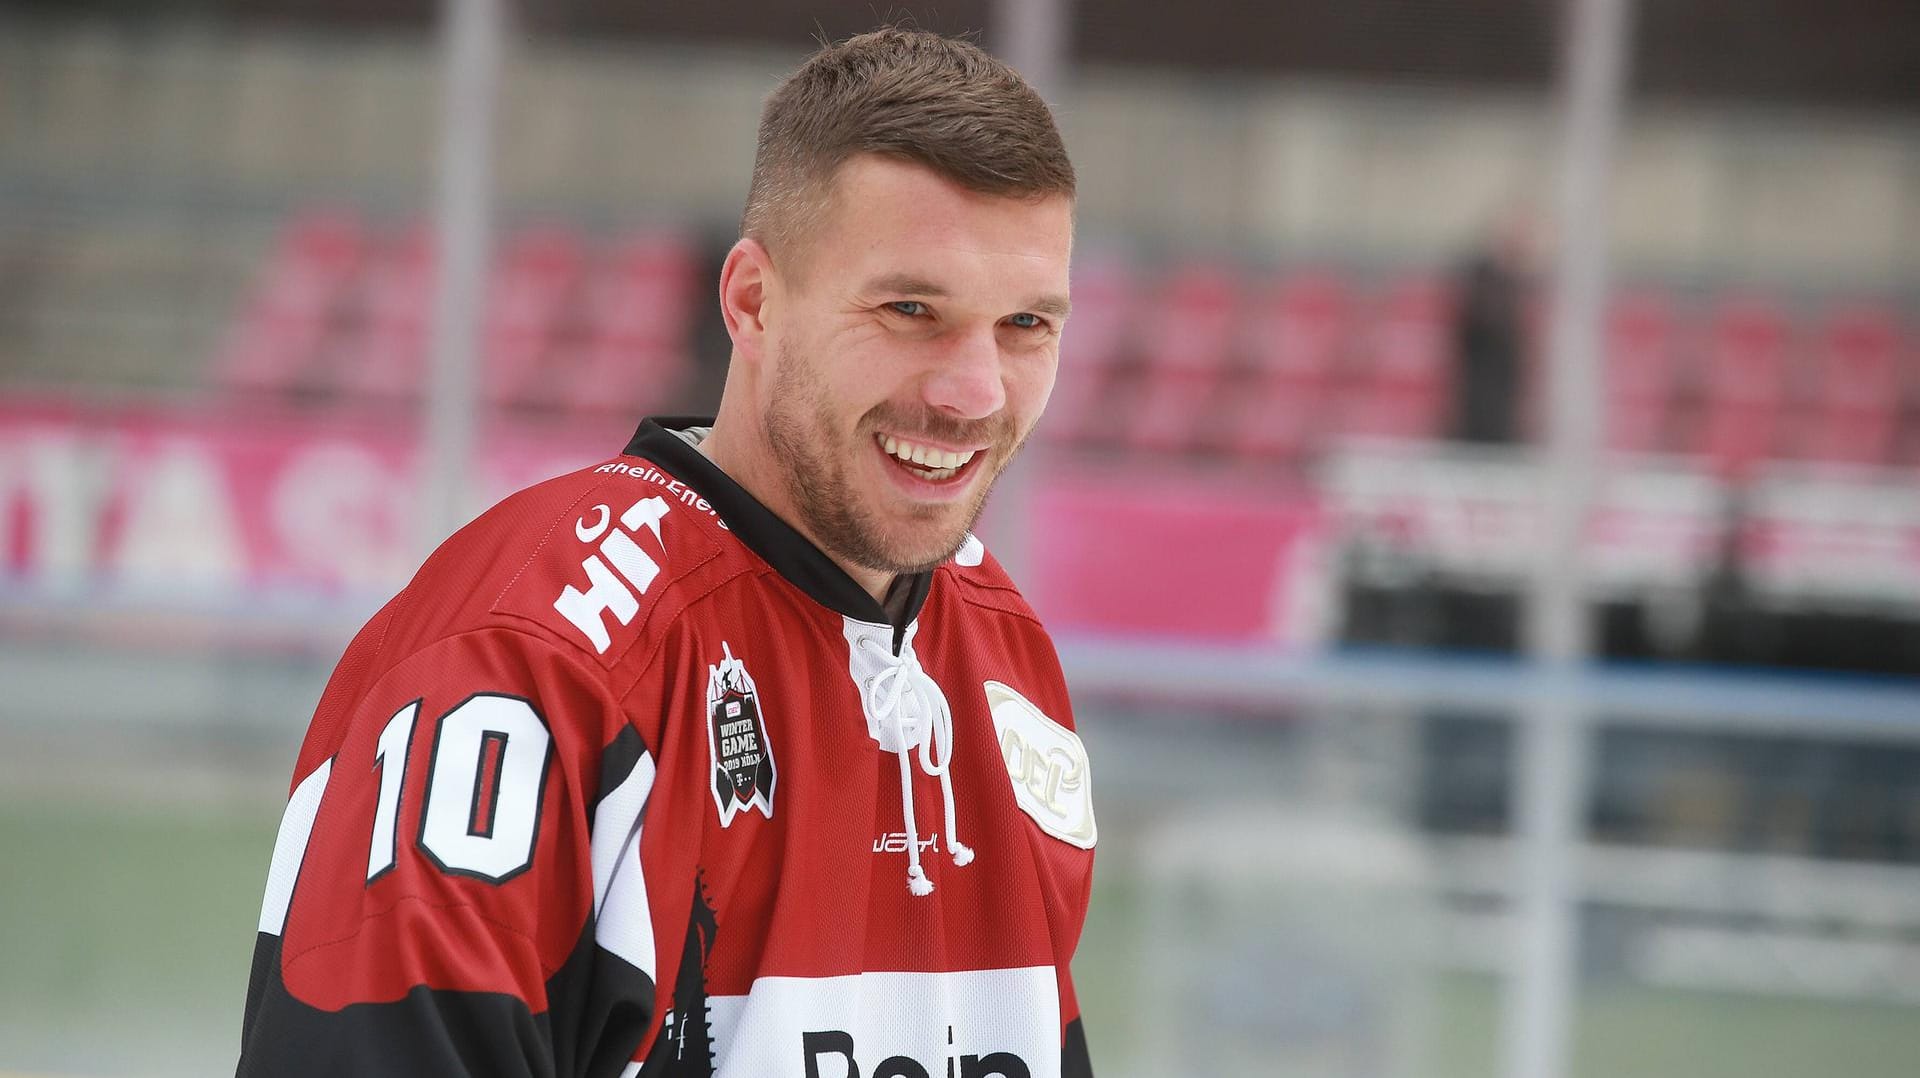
(1200, 358)
(1205, 358)
(342, 311)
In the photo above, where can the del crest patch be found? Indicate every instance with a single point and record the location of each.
(737, 741)
(1047, 765)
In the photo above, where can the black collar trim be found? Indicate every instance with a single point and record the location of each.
(776, 541)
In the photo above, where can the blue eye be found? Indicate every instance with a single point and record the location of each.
(912, 308)
(1027, 321)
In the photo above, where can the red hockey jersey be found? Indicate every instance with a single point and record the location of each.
(631, 779)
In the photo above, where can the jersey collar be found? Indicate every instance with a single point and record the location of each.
(791, 554)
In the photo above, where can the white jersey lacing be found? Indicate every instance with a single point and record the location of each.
(909, 712)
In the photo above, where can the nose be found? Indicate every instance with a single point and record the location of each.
(967, 382)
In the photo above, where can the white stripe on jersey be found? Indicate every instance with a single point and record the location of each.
(783, 1021)
(624, 922)
(290, 848)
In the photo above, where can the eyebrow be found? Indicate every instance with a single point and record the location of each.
(906, 284)
(1056, 306)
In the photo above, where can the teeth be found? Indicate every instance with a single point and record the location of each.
(942, 462)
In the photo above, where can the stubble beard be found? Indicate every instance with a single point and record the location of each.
(798, 427)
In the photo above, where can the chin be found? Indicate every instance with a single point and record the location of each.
(912, 549)
(921, 556)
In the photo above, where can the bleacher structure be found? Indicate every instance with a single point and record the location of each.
(1200, 358)
(1269, 366)
(341, 311)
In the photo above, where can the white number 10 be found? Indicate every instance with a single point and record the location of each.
(485, 782)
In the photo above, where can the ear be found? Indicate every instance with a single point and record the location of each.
(745, 280)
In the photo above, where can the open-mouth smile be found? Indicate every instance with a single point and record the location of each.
(924, 462)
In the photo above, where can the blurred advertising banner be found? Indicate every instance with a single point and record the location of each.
(1167, 556)
(207, 507)
(215, 509)
(1808, 533)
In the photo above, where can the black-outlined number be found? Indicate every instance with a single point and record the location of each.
(486, 779)
(390, 757)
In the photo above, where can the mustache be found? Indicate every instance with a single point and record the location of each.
(896, 419)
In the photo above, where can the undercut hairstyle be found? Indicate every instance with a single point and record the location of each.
(906, 94)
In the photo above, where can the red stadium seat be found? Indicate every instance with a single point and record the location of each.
(536, 276)
(1190, 338)
(301, 294)
(1405, 376)
(382, 354)
(1104, 304)
(1853, 407)
(639, 309)
(1641, 339)
(1745, 383)
(1297, 338)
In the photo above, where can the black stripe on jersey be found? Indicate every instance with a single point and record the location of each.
(684, 1048)
(599, 1007)
(617, 761)
(1074, 1062)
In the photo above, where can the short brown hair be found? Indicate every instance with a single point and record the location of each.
(907, 94)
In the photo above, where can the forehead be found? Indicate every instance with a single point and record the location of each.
(886, 217)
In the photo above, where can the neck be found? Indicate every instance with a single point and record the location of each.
(747, 462)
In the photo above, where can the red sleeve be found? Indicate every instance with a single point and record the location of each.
(434, 905)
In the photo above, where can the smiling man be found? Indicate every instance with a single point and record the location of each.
(736, 753)
(882, 382)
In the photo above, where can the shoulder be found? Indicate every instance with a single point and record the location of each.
(974, 576)
(595, 561)
(559, 594)
(998, 627)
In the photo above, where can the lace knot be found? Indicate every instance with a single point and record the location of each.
(908, 715)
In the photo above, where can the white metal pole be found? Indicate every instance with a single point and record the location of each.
(1031, 36)
(472, 35)
(1553, 762)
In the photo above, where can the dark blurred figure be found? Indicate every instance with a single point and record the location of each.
(1489, 335)
(1735, 627)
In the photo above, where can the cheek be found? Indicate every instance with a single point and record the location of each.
(1030, 386)
(883, 367)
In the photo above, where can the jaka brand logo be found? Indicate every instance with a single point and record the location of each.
(837, 1045)
(607, 593)
(737, 740)
(896, 842)
(1047, 765)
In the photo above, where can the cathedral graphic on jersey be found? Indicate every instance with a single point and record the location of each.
(689, 1028)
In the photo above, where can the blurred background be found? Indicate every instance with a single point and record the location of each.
(1478, 511)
